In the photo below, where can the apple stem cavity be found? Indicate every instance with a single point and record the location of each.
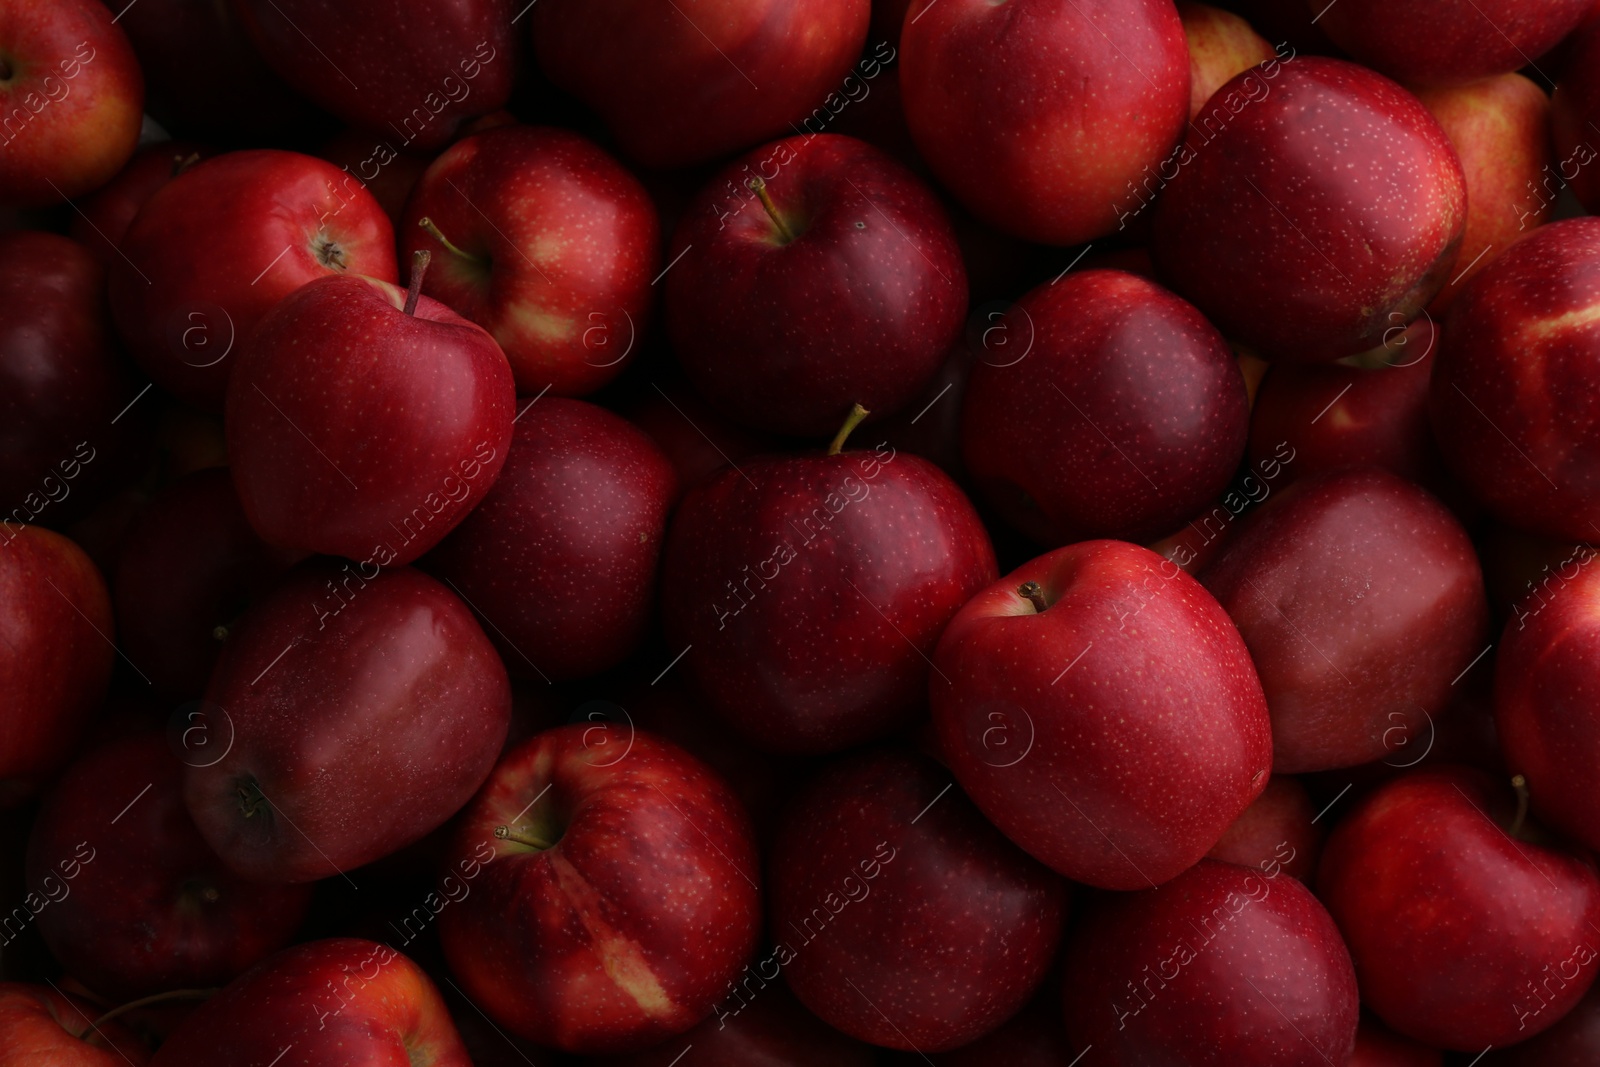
(759, 187)
(157, 998)
(438, 235)
(506, 833)
(1520, 784)
(419, 267)
(857, 413)
(1033, 593)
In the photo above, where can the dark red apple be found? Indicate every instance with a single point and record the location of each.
(1041, 115)
(1378, 1047)
(71, 100)
(615, 895)
(414, 70)
(1575, 109)
(330, 1003)
(545, 241)
(366, 422)
(1432, 42)
(1362, 603)
(1121, 413)
(694, 437)
(151, 909)
(215, 248)
(1223, 966)
(1572, 1042)
(900, 916)
(42, 1026)
(1312, 208)
(686, 83)
(835, 263)
(1516, 383)
(356, 710)
(1034, 1037)
(1100, 708)
(560, 558)
(103, 218)
(1277, 826)
(807, 592)
(55, 653)
(1463, 935)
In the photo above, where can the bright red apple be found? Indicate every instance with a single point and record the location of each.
(1221, 45)
(545, 241)
(1100, 708)
(356, 710)
(1277, 826)
(615, 894)
(42, 1026)
(1042, 115)
(1432, 42)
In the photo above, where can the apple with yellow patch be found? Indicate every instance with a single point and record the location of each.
(1221, 45)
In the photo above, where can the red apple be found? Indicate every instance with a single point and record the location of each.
(333, 1003)
(837, 265)
(1124, 415)
(151, 909)
(356, 709)
(215, 248)
(366, 422)
(1314, 207)
(1463, 935)
(1432, 42)
(1572, 1042)
(1575, 110)
(1102, 675)
(71, 100)
(560, 558)
(1278, 826)
(103, 218)
(1223, 966)
(545, 241)
(1517, 380)
(681, 84)
(416, 70)
(1378, 1047)
(1221, 45)
(901, 916)
(808, 591)
(1033, 1037)
(55, 653)
(615, 893)
(42, 1026)
(1040, 115)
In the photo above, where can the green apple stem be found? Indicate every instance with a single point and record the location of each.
(1520, 784)
(438, 235)
(759, 187)
(857, 413)
(144, 1002)
(1033, 593)
(506, 833)
(419, 267)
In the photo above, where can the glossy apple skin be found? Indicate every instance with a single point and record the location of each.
(154, 910)
(1378, 1047)
(1124, 416)
(560, 557)
(103, 217)
(1500, 129)
(1430, 42)
(63, 380)
(1259, 975)
(201, 262)
(384, 677)
(1545, 687)
(811, 595)
(73, 100)
(55, 653)
(415, 71)
(572, 243)
(1277, 826)
(1115, 735)
(1361, 600)
(1321, 208)
(1221, 45)
(1574, 106)
(39, 1025)
(189, 563)
(336, 1002)
(630, 926)
(357, 430)
(1038, 114)
(954, 926)
(1454, 926)
(1572, 1042)
(680, 86)
(1516, 386)
(859, 308)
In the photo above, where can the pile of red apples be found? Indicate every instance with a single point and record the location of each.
(799, 533)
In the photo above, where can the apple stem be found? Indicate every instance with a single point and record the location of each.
(438, 235)
(857, 413)
(419, 267)
(1033, 593)
(506, 833)
(759, 187)
(158, 998)
(183, 163)
(1520, 784)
